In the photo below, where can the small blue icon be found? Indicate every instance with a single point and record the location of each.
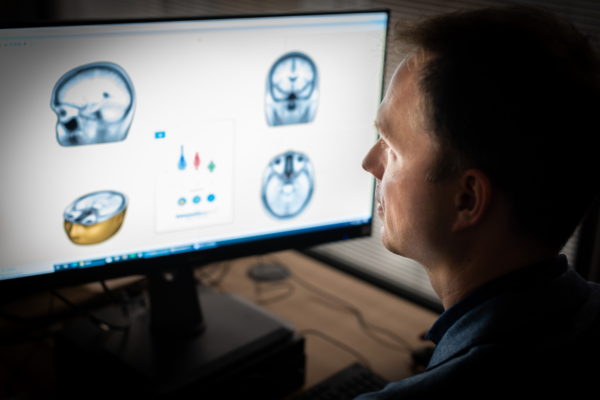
(73, 264)
(182, 164)
(181, 201)
(197, 199)
(211, 198)
(159, 135)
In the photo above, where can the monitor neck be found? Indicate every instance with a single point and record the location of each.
(174, 303)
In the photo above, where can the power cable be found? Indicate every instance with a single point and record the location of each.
(215, 282)
(102, 324)
(290, 291)
(223, 273)
(110, 294)
(367, 327)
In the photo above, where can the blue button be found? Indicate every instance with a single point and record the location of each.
(197, 199)
(211, 198)
(181, 201)
(159, 135)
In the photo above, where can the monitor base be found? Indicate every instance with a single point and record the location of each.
(244, 352)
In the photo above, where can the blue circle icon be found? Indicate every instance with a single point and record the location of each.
(181, 201)
(211, 198)
(197, 199)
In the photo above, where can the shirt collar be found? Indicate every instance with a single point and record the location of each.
(530, 276)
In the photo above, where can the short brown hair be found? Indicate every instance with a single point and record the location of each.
(515, 92)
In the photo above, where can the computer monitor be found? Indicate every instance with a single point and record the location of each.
(150, 147)
(127, 147)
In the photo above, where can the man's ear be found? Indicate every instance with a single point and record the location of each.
(472, 200)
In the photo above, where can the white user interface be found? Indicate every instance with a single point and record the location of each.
(137, 140)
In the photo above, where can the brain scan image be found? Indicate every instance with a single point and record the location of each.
(95, 217)
(292, 90)
(288, 184)
(94, 104)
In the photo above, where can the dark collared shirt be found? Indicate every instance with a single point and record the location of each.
(536, 274)
(532, 332)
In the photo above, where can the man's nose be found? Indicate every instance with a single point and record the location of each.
(372, 162)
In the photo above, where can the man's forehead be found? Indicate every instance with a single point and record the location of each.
(403, 98)
(410, 66)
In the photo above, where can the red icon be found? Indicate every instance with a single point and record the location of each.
(196, 161)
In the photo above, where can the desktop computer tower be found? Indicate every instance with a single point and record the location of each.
(245, 352)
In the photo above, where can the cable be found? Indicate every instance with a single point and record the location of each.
(206, 272)
(205, 277)
(365, 326)
(362, 359)
(223, 273)
(110, 293)
(290, 291)
(215, 282)
(104, 325)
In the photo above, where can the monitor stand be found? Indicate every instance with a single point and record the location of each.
(225, 347)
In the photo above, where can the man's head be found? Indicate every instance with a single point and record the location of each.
(500, 103)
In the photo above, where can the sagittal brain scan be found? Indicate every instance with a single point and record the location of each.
(94, 104)
(288, 184)
(95, 217)
(292, 90)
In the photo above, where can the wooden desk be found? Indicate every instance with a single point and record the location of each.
(303, 308)
(308, 311)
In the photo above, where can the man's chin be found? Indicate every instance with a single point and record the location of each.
(389, 244)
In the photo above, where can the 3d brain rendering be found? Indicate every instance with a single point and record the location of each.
(292, 94)
(94, 103)
(288, 185)
(95, 217)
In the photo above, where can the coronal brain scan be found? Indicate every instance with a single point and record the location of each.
(288, 184)
(94, 104)
(292, 90)
(95, 217)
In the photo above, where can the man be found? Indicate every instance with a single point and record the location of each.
(485, 165)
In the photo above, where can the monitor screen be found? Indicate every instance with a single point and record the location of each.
(132, 141)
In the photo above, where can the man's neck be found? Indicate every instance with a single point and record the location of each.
(453, 280)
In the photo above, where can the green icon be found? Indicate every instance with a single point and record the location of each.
(132, 255)
(211, 166)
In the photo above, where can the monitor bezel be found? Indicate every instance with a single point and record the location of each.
(16, 287)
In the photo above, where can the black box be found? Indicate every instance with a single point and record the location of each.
(245, 352)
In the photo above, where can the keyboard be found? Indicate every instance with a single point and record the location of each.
(345, 385)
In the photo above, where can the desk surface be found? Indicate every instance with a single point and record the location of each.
(296, 299)
(306, 310)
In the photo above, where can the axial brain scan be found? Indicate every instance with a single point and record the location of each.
(292, 90)
(288, 184)
(94, 104)
(95, 217)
